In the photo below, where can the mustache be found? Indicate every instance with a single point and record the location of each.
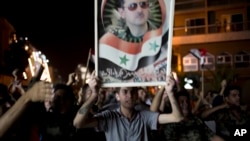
(140, 14)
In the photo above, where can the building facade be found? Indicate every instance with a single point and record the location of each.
(222, 28)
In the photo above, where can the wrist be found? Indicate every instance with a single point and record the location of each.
(26, 98)
(170, 94)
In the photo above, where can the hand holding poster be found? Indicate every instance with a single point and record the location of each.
(133, 45)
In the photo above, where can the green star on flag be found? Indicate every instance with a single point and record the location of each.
(124, 60)
(153, 46)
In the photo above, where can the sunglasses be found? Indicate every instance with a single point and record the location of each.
(142, 4)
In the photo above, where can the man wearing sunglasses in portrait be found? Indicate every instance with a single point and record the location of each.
(135, 14)
(131, 41)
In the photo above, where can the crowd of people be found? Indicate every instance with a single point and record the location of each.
(71, 112)
(78, 110)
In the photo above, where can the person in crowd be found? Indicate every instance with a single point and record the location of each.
(191, 128)
(28, 119)
(125, 123)
(142, 99)
(91, 133)
(228, 116)
(110, 102)
(11, 127)
(57, 123)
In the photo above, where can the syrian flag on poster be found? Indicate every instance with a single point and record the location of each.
(129, 59)
(199, 54)
(121, 57)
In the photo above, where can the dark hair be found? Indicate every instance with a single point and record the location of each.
(69, 93)
(134, 89)
(182, 93)
(120, 3)
(185, 93)
(230, 88)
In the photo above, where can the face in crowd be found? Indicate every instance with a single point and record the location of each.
(127, 96)
(142, 95)
(233, 98)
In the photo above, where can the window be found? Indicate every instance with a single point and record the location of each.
(224, 58)
(209, 61)
(242, 59)
(232, 22)
(237, 22)
(190, 63)
(195, 26)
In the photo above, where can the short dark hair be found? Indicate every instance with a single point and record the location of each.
(134, 89)
(230, 88)
(120, 3)
(182, 93)
(69, 93)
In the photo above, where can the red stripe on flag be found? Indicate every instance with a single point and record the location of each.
(128, 47)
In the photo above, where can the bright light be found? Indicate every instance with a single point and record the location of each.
(26, 47)
(37, 59)
(188, 83)
(188, 86)
(31, 67)
(25, 75)
(175, 76)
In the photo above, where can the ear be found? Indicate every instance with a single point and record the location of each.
(121, 12)
(117, 97)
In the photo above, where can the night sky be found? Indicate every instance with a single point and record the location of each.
(63, 31)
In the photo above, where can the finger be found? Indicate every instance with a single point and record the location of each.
(48, 88)
(93, 74)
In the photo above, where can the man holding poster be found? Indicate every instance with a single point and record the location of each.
(133, 49)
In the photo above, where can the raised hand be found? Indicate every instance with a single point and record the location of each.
(94, 83)
(223, 83)
(170, 83)
(39, 91)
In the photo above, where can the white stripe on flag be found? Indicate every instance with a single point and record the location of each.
(149, 48)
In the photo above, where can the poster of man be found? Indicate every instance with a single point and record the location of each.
(132, 43)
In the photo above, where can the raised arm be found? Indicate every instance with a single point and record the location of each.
(36, 93)
(176, 115)
(157, 100)
(82, 118)
(210, 111)
(223, 86)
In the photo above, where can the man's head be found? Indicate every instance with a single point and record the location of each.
(183, 99)
(127, 96)
(63, 98)
(142, 94)
(211, 95)
(232, 95)
(134, 12)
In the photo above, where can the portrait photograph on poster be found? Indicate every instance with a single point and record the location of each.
(133, 44)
